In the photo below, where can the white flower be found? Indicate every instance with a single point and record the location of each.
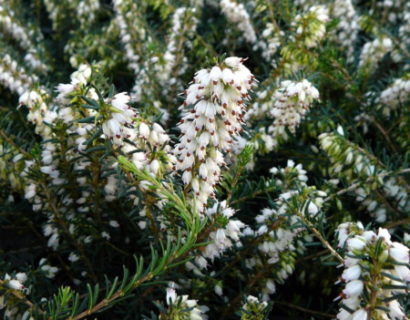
(403, 273)
(351, 273)
(353, 288)
(114, 223)
(356, 243)
(218, 290)
(360, 314)
(312, 208)
(21, 276)
(399, 252)
(237, 15)
(143, 130)
(395, 311)
(15, 284)
(73, 257)
(171, 296)
(344, 315)
(373, 52)
(270, 285)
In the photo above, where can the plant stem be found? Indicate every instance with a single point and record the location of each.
(320, 236)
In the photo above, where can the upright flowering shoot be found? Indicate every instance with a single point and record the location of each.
(120, 116)
(376, 274)
(212, 118)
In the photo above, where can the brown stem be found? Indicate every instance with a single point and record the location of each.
(11, 142)
(397, 223)
(385, 135)
(318, 235)
(105, 302)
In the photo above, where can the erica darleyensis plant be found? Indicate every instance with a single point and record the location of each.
(275, 186)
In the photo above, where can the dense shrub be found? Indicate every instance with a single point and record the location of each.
(193, 159)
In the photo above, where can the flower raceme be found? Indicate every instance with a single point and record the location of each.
(181, 307)
(212, 118)
(123, 116)
(376, 274)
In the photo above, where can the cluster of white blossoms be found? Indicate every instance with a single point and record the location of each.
(54, 12)
(291, 101)
(282, 241)
(146, 137)
(126, 34)
(136, 42)
(121, 117)
(376, 273)
(146, 144)
(49, 270)
(272, 36)
(212, 118)
(184, 22)
(23, 36)
(253, 309)
(87, 10)
(41, 115)
(348, 26)
(287, 105)
(350, 163)
(311, 26)
(13, 283)
(236, 14)
(394, 96)
(373, 52)
(181, 307)
(35, 101)
(404, 34)
(221, 239)
(133, 36)
(392, 10)
(14, 77)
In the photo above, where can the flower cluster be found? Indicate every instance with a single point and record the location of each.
(133, 36)
(11, 26)
(348, 26)
(272, 36)
(226, 235)
(180, 307)
(184, 22)
(212, 118)
(351, 163)
(373, 52)
(279, 232)
(87, 11)
(237, 14)
(253, 309)
(292, 101)
(121, 118)
(404, 34)
(394, 96)
(288, 106)
(15, 77)
(376, 274)
(311, 26)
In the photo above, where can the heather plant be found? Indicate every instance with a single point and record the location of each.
(204, 159)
